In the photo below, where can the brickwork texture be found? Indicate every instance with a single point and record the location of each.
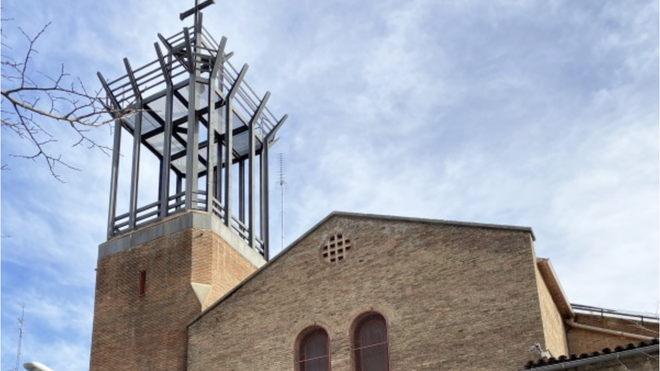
(553, 323)
(454, 297)
(587, 341)
(133, 332)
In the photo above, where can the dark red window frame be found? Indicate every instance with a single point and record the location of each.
(319, 360)
(370, 344)
(142, 283)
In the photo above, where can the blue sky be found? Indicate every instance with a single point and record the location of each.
(530, 113)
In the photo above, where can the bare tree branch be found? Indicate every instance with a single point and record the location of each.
(32, 101)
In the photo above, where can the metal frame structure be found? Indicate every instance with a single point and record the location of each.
(210, 132)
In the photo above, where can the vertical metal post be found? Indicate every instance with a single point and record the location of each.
(137, 139)
(179, 188)
(210, 149)
(264, 199)
(214, 164)
(218, 174)
(251, 191)
(229, 149)
(114, 178)
(216, 77)
(229, 143)
(264, 185)
(116, 152)
(166, 162)
(241, 191)
(192, 134)
(135, 169)
(252, 155)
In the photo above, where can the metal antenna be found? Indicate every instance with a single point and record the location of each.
(281, 182)
(20, 337)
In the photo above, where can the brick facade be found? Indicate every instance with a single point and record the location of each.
(553, 322)
(133, 332)
(587, 341)
(455, 297)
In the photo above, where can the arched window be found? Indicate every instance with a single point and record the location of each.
(370, 344)
(314, 351)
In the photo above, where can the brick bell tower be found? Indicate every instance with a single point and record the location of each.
(193, 184)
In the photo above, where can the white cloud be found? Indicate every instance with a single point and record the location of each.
(534, 114)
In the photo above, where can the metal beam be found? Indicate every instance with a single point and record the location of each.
(229, 144)
(241, 191)
(151, 148)
(108, 91)
(220, 58)
(269, 140)
(210, 158)
(218, 173)
(212, 167)
(229, 154)
(265, 234)
(179, 188)
(190, 53)
(264, 202)
(135, 160)
(114, 178)
(192, 135)
(251, 202)
(165, 162)
(116, 151)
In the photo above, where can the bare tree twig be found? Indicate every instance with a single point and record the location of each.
(32, 101)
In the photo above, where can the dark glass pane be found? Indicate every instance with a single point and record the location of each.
(358, 360)
(372, 332)
(374, 358)
(370, 344)
(316, 345)
(319, 364)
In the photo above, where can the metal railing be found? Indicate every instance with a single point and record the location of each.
(150, 213)
(603, 312)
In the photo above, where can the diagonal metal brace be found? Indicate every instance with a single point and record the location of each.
(220, 58)
(131, 77)
(108, 91)
(237, 83)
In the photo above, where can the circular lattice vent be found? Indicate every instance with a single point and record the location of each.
(336, 248)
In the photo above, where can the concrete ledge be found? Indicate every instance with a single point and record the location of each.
(177, 223)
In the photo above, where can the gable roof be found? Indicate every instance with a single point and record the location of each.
(554, 286)
(413, 220)
(360, 216)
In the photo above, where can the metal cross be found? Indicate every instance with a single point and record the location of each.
(196, 9)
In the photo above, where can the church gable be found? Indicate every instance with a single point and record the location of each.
(446, 290)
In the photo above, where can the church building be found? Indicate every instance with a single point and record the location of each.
(185, 281)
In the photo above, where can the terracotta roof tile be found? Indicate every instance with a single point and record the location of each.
(551, 361)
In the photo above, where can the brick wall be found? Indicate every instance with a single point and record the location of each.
(216, 263)
(455, 298)
(586, 341)
(149, 332)
(553, 323)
